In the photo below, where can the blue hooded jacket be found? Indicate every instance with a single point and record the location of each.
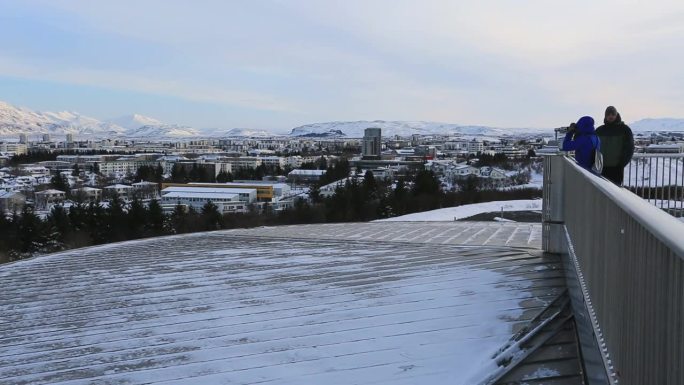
(584, 143)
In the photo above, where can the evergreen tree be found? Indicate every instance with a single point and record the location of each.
(156, 218)
(369, 186)
(115, 220)
(322, 163)
(58, 221)
(31, 236)
(59, 182)
(194, 174)
(315, 194)
(211, 218)
(178, 174)
(76, 171)
(136, 218)
(97, 223)
(224, 177)
(179, 219)
(158, 174)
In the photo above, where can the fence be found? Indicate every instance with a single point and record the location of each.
(658, 178)
(627, 260)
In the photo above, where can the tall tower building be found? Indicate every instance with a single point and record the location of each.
(46, 138)
(70, 138)
(372, 143)
(23, 138)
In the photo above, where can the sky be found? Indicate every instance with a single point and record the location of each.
(271, 64)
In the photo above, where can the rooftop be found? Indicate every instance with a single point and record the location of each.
(399, 303)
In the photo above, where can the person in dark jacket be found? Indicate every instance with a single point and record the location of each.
(617, 146)
(582, 139)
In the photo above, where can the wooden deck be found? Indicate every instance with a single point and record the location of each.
(331, 304)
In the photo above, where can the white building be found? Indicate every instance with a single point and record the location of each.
(14, 148)
(46, 198)
(273, 161)
(122, 190)
(87, 193)
(227, 200)
(247, 195)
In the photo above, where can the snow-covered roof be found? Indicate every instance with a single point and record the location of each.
(144, 183)
(119, 186)
(50, 192)
(204, 195)
(307, 172)
(296, 308)
(208, 190)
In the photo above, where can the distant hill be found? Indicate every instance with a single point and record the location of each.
(17, 120)
(405, 128)
(661, 124)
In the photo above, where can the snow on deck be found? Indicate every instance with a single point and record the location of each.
(447, 233)
(466, 211)
(218, 308)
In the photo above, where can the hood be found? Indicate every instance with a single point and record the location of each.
(618, 120)
(585, 125)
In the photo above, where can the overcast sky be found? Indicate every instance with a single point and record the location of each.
(278, 64)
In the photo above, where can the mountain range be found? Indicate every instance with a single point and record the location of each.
(18, 120)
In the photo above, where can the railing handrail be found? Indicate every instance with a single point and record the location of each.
(658, 155)
(665, 227)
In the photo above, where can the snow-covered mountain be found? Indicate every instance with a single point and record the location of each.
(405, 128)
(17, 120)
(162, 131)
(662, 124)
(135, 121)
(141, 126)
(238, 132)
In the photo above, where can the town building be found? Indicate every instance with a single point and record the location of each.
(372, 143)
(83, 194)
(45, 199)
(11, 201)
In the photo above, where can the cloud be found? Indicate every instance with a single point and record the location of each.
(522, 63)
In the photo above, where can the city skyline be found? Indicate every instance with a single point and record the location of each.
(278, 65)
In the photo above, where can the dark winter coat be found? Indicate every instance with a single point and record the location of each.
(583, 141)
(617, 143)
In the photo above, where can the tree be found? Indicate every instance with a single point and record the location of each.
(224, 177)
(369, 186)
(136, 219)
(58, 221)
(177, 218)
(315, 194)
(115, 220)
(76, 170)
(322, 163)
(30, 230)
(156, 218)
(59, 182)
(178, 174)
(211, 218)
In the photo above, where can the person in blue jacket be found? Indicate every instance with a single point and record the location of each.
(582, 139)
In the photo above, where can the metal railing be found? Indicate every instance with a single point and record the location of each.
(624, 261)
(658, 178)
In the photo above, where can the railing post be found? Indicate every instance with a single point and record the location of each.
(553, 208)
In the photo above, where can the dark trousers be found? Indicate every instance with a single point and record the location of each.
(614, 174)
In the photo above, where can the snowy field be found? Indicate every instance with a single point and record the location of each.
(218, 308)
(466, 211)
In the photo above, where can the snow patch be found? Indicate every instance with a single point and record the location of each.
(465, 211)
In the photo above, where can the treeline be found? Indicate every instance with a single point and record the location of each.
(197, 173)
(362, 199)
(34, 156)
(25, 233)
